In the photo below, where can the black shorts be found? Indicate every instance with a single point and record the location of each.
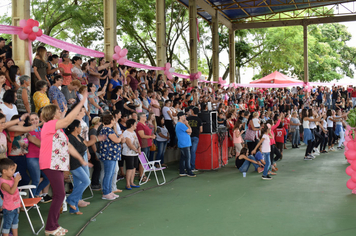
(131, 162)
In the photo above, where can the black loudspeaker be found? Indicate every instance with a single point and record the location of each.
(209, 121)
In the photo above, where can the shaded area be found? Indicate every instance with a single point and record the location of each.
(305, 198)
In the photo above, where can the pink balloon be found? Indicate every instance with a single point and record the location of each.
(117, 49)
(39, 33)
(169, 76)
(348, 128)
(36, 23)
(123, 52)
(167, 66)
(32, 36)
(122, 61)
(349, 171)
(27, 29)
(22, 23)
(353, 165)
(350, 184)
(22, 35)
(116, 57)
(350, 145)
(350, 161)
(30, 22)
(348, 138)
(353, 177)
(351, 154)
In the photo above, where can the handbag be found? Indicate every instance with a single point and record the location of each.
(250, 135)
(153, 147)
(292, 130)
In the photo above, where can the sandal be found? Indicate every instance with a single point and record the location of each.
(63, 229)
(77, 213)
(144, 178)
(57, 232)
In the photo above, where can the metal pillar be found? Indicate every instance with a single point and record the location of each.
(305, 39)
(110, 21)
(20, 10)
(215, 39)
(161, 34)
(232, 68)
(193, 55)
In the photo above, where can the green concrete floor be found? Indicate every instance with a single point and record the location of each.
(305, 198)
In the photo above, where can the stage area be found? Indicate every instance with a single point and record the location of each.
(305, 198)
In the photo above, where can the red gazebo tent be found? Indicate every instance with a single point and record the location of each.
(276, 78)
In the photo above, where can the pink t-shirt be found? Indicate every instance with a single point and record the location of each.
(146, 142)
(33, 150)
(266, 147)
(154, 109)
(54, 152)
(11, 201)
(239, 138)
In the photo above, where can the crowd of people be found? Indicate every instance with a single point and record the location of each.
(73, 116)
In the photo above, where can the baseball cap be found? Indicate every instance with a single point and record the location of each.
(180, 114)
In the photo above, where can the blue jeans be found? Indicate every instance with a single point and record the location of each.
(334, 101)
(80, 181)
(285, 137)
(86, 168)
(246, 164)
(10, 219)
(33, 168)
(161, 147)
(328, 103)
(86, 119)
(266, 156)
(109, 170)
(193, 149)
(295, 137)
(146, 150)
(22, 168)
(184, 162)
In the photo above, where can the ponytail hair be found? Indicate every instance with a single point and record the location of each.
(72, 126)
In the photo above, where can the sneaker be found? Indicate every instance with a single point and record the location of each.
(120, 177)
(339, 148)
(266, 177)
(297, 146)
(191, 175)
(114, 195)
(307, 158)
(311, 156)
(108, 197)
(195, 170)
(182, 175)
(96, 187)
(316, 150)
(316, 154)
(46, 199)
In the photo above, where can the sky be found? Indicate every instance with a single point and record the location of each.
(246, 73)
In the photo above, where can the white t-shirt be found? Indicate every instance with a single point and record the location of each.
(164, 131)
(118, 129)
(126, 151)
(165, 113)
(330, 122)
(9, 113)
(85, 102)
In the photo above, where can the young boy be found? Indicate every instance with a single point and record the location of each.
(11, 194)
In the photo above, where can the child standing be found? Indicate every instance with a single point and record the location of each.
(237, 138)
(266, 150)
(11, 194)
(279, 134)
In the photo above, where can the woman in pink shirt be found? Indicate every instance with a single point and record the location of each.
(54, 158)
(155, 107)
(66, 69)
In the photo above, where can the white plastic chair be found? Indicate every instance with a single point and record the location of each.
(29, 203)
(149, 166)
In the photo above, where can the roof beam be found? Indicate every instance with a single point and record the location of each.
(209, 9)
(323, 20)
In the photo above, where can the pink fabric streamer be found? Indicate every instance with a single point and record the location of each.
(181, 76)
(69, 47)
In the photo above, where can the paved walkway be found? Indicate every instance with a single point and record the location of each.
(305, 198)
